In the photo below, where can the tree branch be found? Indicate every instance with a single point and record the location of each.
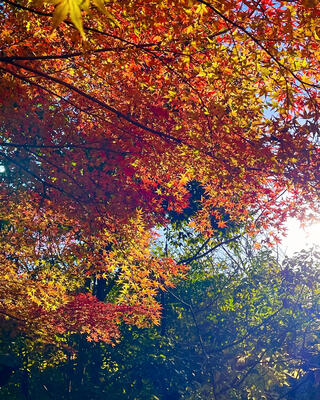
(102, 104)
(197, 257)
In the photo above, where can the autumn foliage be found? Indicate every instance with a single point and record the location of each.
(106, 118)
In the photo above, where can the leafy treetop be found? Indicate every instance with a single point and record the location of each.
(97, 135)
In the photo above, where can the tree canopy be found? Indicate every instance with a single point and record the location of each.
(128, 113)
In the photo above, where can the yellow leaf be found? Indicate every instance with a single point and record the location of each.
(60, 13)
(75, 15)
(85, 5)
(100, 6)
(72, 8)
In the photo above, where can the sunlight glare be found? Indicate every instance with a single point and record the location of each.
(299, 238)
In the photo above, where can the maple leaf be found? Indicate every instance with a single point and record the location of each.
(222, 224)
(73, 8)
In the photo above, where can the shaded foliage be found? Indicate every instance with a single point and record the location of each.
(245, 327)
